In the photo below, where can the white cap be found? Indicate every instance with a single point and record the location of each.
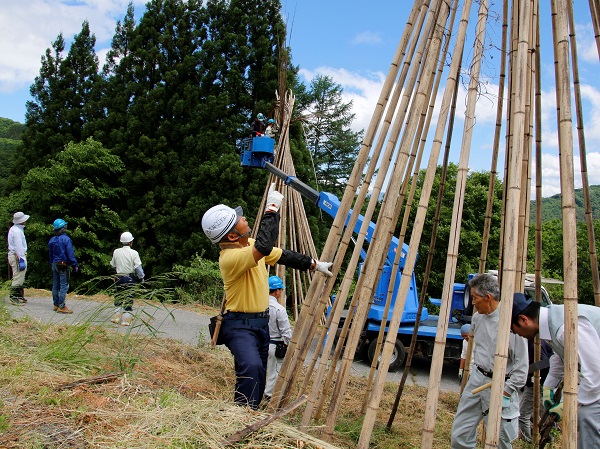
(126, 237)
(20, 217)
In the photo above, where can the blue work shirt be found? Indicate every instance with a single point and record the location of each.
(60, 249)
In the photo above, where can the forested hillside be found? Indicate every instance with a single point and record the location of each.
(552, 209)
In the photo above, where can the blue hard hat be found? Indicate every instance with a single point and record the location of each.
(465, 329)
(271, 121)
(260, 116)
(59, 223)
(275, 283)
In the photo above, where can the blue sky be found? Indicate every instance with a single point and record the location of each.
(352, 41)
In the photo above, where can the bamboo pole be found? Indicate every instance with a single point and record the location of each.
(525, 204)
(538, 225)
(452, 251)
(583, 159)
(382, 235)
(595, 13)
(385, 159)
(318, 396)
(563, 99)
(431, 252)
(414, 165)
(509, 268)
(315, 301)
(496, 145)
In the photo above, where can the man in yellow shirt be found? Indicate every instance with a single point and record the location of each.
(242, 261)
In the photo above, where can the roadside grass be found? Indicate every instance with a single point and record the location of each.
(166, 395)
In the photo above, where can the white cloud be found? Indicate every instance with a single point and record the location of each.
(586, 43)
(29, 28)
(362, 90)
(367, 37)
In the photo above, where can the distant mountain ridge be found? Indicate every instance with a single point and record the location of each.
(552, 209)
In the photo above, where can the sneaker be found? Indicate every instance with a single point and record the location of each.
(64, 309)
(126, 319)
(15, 301)
(116, 316)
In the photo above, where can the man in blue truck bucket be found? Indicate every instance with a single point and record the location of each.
(242, 261)
(530, 319)
(473, 408)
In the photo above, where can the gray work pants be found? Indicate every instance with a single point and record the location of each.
(588, 426)
(473, 408)
(526, 409)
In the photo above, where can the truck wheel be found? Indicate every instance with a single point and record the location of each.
(468, 302)
(398, 355)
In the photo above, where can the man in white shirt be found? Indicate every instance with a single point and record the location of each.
(473, 408)
(17, 257)
(280, 331)
(529, 319)
(126, 261)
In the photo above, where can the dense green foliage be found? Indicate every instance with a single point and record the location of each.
(473, 218)
(10, 140)
(332, 144)
(165, 113)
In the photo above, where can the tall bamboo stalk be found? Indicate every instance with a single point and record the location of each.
(583, 159)
(565, 133)
(511, 231)
(538, 224)
(315, 299)
(496, 146)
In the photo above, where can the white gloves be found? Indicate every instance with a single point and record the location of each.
(274, 199)
(324, 267)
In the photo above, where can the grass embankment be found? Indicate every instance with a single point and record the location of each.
(167, 395)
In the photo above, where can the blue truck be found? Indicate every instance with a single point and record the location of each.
(258, 153)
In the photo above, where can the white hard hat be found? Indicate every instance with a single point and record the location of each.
(126, 237)
(20, 217)
(219, 220)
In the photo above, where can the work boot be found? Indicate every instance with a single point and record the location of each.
(117, 316)
(126, 319)
(14, 296)
(64, 309)
(55, 308)
(22, 295)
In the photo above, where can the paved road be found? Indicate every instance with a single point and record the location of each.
(190, 328)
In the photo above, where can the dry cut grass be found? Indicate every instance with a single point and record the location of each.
(167, 395)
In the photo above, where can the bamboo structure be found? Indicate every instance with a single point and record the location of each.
(320, 355)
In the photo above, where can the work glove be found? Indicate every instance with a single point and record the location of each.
(548, 398)
(324, 267)
(461, 371)
(557, 411)
(505, 401)
(274, 199)
(22, 264)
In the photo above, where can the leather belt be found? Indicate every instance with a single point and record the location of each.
(490, 373)
(245, 315)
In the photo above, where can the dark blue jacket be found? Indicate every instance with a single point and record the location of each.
(60, 249)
